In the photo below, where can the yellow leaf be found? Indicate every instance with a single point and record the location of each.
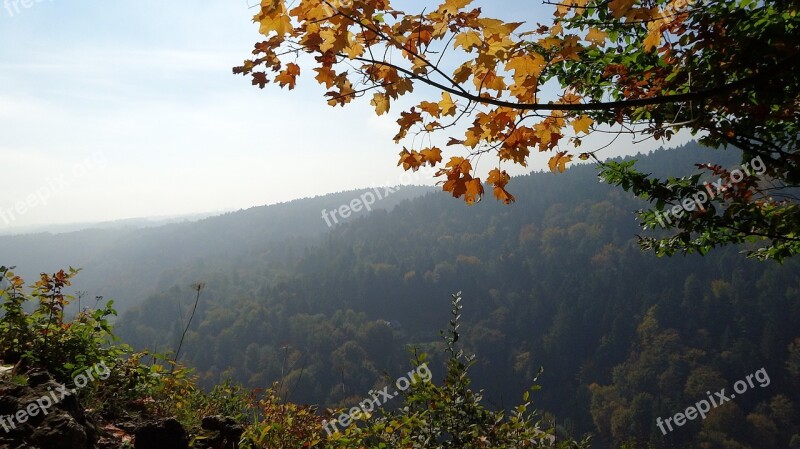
(582, 124)
(453, 6)
(597, 37)
(653, 35)
(355, 50)
(530, 64)
(430, 108)
(278, 22)
(329, 40)
(446, 105)
(502, 194)
(468, 40)
(381, 103)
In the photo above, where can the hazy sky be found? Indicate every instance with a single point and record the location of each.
(114, 109)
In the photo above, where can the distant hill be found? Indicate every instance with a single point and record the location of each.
(129, 223)
(127, 260)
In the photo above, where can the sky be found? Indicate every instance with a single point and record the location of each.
(113, 110)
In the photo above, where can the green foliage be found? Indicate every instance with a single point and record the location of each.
(45, 337)
(452, 415)
(749, 50)
(449, 416)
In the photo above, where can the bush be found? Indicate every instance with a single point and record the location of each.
(43, 338)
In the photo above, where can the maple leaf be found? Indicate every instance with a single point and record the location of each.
(277, 21)
(460, 164)
(381, 103)
(582, 124)
(288, 76)
(451, 7)
(525, 65)
(410, 160)
(431, 108)
(325, 76)
(653, 35)
(503, 195)
(432, 156)
(558, 163)
(447, 106)
(474, 191)
(620, 8)
(260, 79)
(597, 37)
(406, 121)
(468, 40)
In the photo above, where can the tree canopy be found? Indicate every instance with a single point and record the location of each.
(724, 70)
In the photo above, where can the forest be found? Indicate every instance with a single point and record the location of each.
(558, 282)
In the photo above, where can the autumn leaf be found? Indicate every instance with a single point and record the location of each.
(468, 40)
(474, 191)
(582, 124)
(447, 106)
(597, 37)
(431, 156)
(620, 8)
(278, 22)
(325, 76)
(558, 163)
(653, 35)
(288, 77)
(500, 179)
(453, 6)
(410, 160)
(381, 103)
(431, 108)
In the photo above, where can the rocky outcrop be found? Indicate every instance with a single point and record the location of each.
(164, 434)
(39, 416)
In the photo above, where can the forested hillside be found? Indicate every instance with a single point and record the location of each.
(556, 280)
(129, 264)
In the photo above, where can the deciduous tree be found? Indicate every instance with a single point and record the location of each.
(724, 70)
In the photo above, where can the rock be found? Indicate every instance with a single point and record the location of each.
(164, 434)
(48, 424)
(229, 432)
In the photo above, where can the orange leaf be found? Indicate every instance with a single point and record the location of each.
(288, 76)
(474, 190)
(432, 156)
(558, 163)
